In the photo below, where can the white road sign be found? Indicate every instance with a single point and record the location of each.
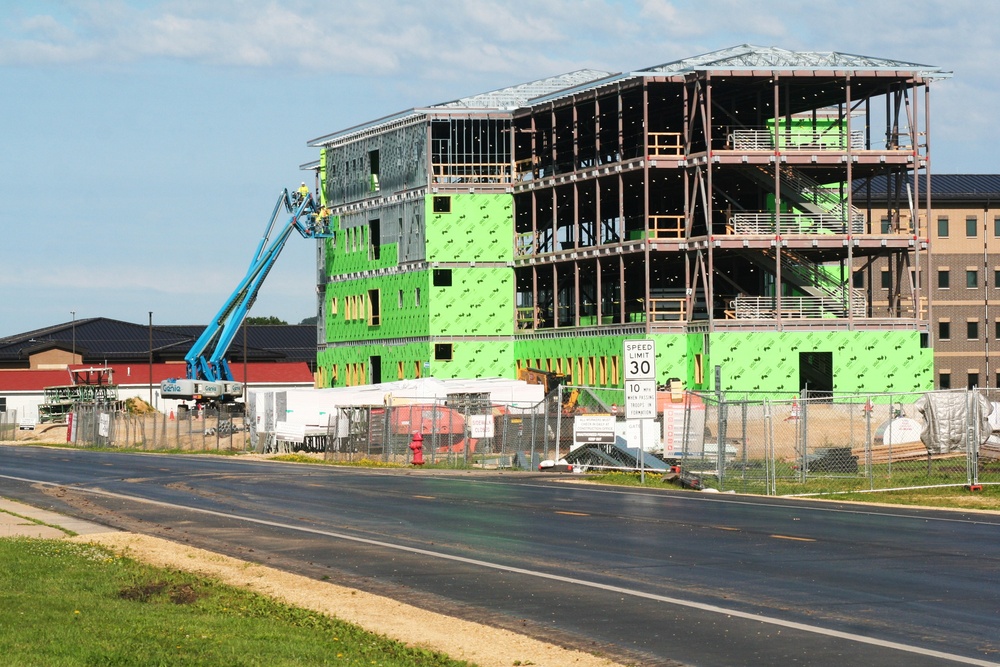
(640, 399)
(640, 379)
(640, 359)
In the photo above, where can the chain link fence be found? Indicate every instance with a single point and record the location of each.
(104, 425)
(813, 443)
(460, 431)
(805, 444)
(8, 425)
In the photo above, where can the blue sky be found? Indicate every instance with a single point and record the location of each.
(144, 142)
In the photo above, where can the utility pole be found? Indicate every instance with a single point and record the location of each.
(150, 358)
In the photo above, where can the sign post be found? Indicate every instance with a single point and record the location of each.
(640, 386)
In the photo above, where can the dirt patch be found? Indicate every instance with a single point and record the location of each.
(462, 640)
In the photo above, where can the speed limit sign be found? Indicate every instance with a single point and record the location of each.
(640, 360)
(640, 379)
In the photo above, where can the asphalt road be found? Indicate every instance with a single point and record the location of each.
(650, 577)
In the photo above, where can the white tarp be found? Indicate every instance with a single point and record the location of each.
(327, 408)
(946, 419)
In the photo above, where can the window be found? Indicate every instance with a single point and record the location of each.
(3, 404)
(442, 277)
(996, 226)
(970, 226)
(973, 380)
(886, 280)
(442, 204)
(971, 278)
(400, 373)
(944, 330)
(699, 369)
(996, 278)
(416, 297)
(399, 300)
(374, 308)
(859, 279)
(996, 332)
(972, 329)
(375, 238)
(944, 380)
(943, 227)
(886, 226)
(373, 164)
(333, 306)
(442, 351)
(944, 279)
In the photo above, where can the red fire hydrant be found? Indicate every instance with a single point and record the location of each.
(417, 447)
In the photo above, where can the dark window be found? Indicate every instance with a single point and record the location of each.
(859, 279)
(886, 227)
(925, 341)
(996, 278)
(944, 381)
(442, 351)
(944, 279)
(943, 227)
(374, 308)
(3, 404)
(972, 278)
(996, 334)
(972, 330)
(442, 204)
(886, 281)
(996, 226)
(970, 226)
(374, 240)
(973, 380)
(944, 330)
(442, 277)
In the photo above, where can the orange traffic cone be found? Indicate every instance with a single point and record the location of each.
(171, 415)
(795, 409)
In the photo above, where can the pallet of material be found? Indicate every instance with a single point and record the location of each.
(907, 451)
(989, 450)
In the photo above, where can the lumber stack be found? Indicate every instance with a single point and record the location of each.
(907, 451)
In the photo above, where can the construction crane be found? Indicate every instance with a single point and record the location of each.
(208, 378)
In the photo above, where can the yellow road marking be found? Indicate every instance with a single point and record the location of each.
(571, 513)
(725, 528)
(789, 537)
(425, 497)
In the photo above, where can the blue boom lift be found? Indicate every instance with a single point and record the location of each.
(208, 378)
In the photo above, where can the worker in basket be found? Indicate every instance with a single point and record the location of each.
(302, 193)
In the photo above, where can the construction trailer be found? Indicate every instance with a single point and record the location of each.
(706, 203)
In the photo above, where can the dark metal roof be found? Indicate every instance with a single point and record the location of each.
(101, 340)
(944, 187)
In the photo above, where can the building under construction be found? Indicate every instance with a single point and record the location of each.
(708, 203)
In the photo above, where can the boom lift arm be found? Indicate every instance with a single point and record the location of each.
(208, 377)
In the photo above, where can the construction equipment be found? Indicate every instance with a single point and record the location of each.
(550, 382)
(208, 378)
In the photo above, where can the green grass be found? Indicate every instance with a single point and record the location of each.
(947, 485)
(68, 604)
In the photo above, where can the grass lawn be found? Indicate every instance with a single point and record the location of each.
(63, 603)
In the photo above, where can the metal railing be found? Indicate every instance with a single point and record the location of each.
(794, 307)
(764, 140)
(767, 223)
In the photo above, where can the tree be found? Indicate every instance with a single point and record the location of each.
(271, 319)
(310, 320)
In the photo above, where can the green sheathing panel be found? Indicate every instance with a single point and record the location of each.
(478, 228)
(672, 356)
(863, 361)
(469, 359)
(349, 251)
(478, 302)
(402, 314)
(411, 355)
(476, 359)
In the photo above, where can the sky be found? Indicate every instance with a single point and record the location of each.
(143, 143)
